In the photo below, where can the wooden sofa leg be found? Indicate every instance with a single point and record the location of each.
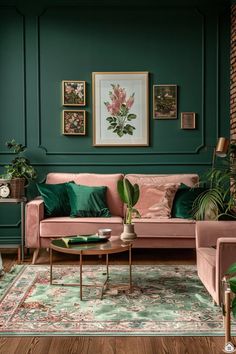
(35, 255)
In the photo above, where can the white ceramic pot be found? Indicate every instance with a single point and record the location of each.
(128, 233)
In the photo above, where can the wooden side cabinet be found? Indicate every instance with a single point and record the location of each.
(20, 246)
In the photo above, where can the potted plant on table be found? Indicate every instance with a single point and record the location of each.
(19, 172)
(129, 195)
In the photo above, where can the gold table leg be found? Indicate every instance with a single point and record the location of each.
(80, 274)
(227, 317)
(130, 269)
(50, 266)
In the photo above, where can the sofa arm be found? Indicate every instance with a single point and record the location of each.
(225, 256)
(207, 232)
(34, 214)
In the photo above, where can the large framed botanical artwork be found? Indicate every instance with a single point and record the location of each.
(120, 109)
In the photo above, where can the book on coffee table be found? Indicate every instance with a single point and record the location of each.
(83, 239)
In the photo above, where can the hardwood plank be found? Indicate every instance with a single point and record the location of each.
(8, 345)
(112, 345)
(105, 345)
(69, 345)
(39, 345)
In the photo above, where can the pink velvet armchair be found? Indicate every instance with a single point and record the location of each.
(216, 251)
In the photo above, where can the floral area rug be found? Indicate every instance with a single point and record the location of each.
(166, 300)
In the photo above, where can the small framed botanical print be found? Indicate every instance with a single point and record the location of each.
(164, 101)
(188, 120)
(74, 122)
(73, 93)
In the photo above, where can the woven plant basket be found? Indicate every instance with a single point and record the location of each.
(17, 188)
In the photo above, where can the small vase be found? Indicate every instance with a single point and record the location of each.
(128, 233)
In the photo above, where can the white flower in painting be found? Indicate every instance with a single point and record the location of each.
(79, 90)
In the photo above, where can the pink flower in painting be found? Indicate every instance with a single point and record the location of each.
(119, 93)
(130, 101)
(113, 107)
(69, 88)
(119, 108)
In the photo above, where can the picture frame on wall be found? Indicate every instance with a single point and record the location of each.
(73, 93)
(165, 102)
(120, 109)
(188, 120)
(74, 122)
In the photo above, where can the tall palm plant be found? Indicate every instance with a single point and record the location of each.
(219, 198)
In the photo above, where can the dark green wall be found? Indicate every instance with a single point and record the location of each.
(187, 45)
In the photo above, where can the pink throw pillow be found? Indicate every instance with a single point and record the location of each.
(155, 200)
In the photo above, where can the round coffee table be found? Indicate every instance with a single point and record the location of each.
(98, 248)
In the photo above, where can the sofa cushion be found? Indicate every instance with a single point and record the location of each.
(114, 202)
(156, 200)
(167, 228)
(55, 197)
(67, 226)
(183, 201)
(188, 179)
(87, 201)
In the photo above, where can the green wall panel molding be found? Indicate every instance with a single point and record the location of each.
(50, 50)
(11, 225)
(12, 69)
(180, 42)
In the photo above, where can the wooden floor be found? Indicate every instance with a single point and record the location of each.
(112, 345)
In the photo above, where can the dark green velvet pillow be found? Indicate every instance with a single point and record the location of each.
(55, 197)
(87, 201)
(183, 201)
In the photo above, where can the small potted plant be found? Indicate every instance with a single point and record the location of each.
(129, 195)
(19, 172)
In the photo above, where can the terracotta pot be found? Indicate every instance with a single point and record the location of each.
(128, 233)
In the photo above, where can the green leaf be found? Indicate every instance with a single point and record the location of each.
(232, 283)
(136, 212)
(234, 307)
(128, 191)
(110, 119)
(131, 116)
(120, 188)
(231, 269)
(120, 133)
(135, 193)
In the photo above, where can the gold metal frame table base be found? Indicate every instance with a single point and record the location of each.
(110, 247)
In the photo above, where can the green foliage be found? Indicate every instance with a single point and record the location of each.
(118, 125)
(20, 165)
(219, 199)
(209, 204)
(129, 195)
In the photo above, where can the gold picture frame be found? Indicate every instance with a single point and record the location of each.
(165, 101)
(74, 122)
(188, 120)
(73, 93)
(120, 109)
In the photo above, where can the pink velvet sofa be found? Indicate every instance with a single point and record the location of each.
(159, 233)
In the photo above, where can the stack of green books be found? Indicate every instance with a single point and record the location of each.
(83, 239)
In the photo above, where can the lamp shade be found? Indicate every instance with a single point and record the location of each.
(222, 147)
